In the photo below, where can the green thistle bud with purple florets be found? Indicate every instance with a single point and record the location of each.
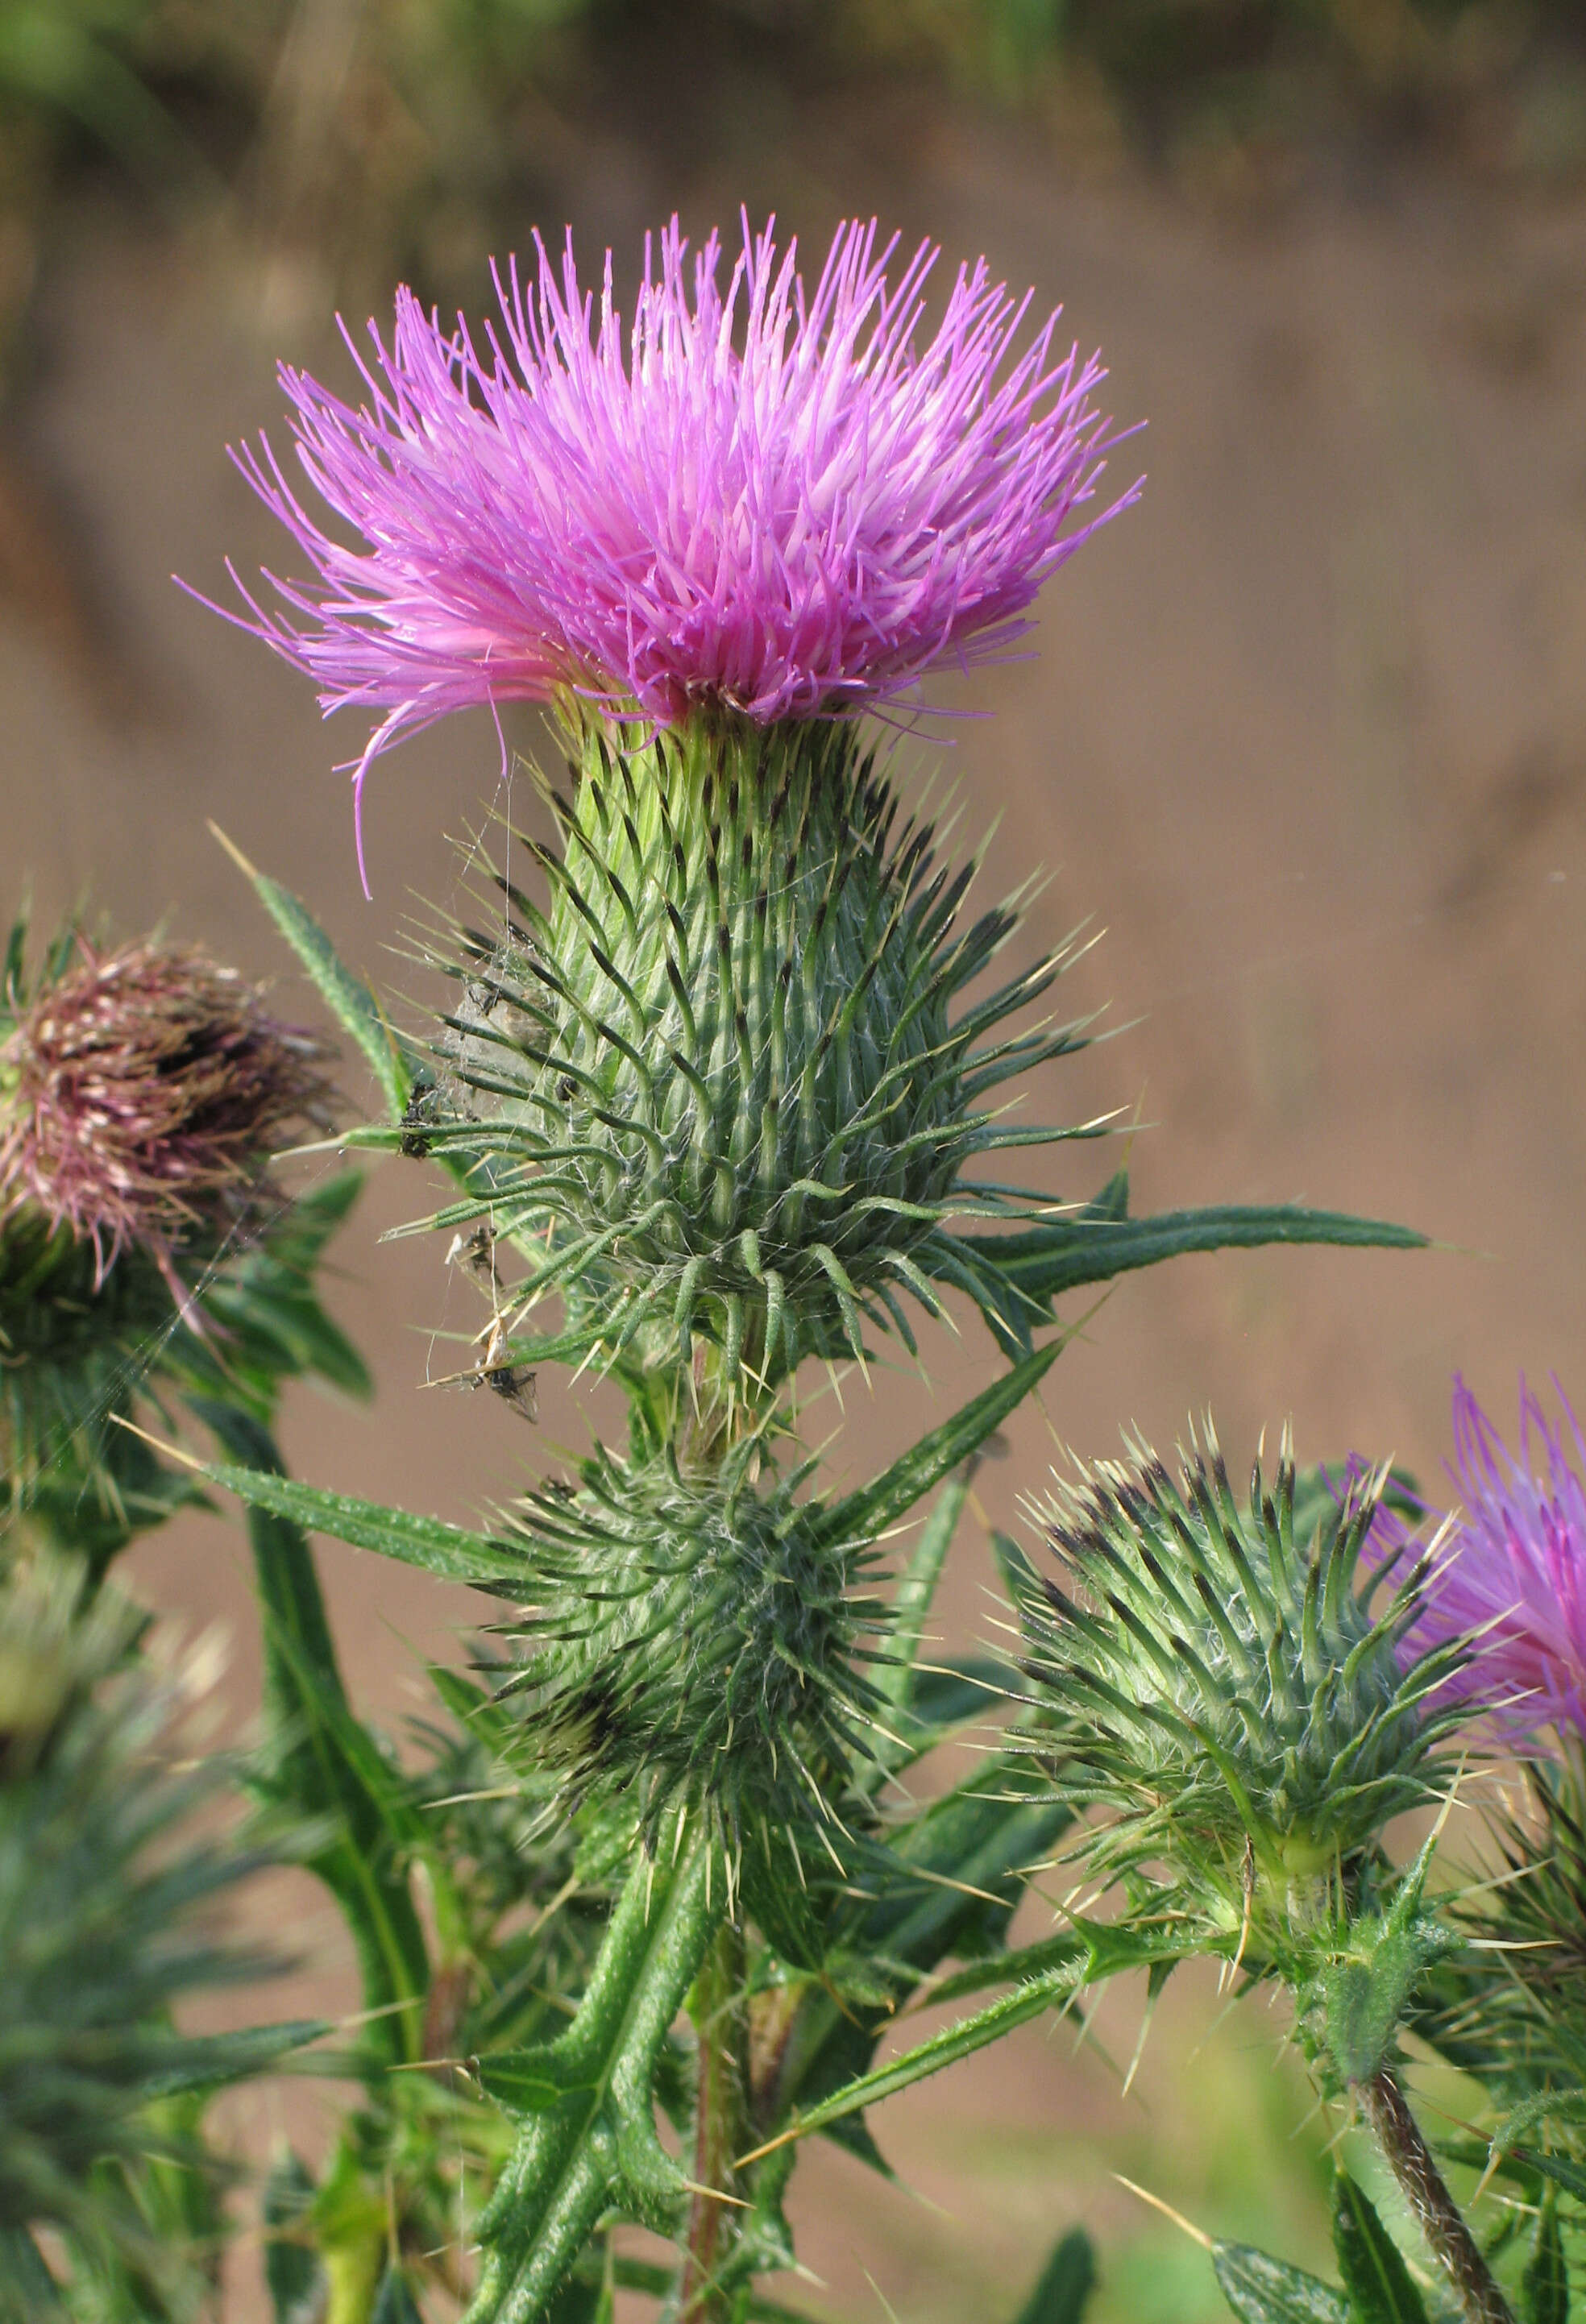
(773, 504)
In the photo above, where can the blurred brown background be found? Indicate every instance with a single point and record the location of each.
(1305, 735)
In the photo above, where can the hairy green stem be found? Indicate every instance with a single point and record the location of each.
(720, 2127)
(1450, 2240)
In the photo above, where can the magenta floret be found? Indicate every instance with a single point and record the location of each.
(767, 501)
(1511, 1574)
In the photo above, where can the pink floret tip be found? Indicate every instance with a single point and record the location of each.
(1509, 1572)
(767, 501)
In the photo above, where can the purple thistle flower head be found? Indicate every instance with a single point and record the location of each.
(768, 502)
(1511, 1574)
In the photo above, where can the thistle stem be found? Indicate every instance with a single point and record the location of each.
(721, 2124)
(1409, 2158)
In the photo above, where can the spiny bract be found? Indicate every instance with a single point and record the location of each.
(726, 1093)
(1225, 1694)
(693, 1640)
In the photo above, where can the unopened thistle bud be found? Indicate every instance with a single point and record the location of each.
(1223, 1695)
(693, 1641)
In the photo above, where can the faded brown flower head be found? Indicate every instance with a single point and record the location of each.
(142, 1092)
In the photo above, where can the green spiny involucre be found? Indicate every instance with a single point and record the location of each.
(725, 1092)
(692, 1639)
(1225, 1696)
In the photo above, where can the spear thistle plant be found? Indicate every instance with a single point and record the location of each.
(723, 1088)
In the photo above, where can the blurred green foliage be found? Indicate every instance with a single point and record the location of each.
(459, 95)
(357, 142)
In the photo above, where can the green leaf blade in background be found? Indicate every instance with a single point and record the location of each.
(1379, 2286)
(28, 2291)
(1547, 2283)
(210, 2061)
(294, 2277)
(324, 1765)
(1065, 2284)
(1261, 2290)
(395, 2303)
(350, 1000)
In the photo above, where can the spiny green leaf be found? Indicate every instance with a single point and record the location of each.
(948, 1884)
(1375, 2276)
(1547, 2283)
(447, 1550)
(1367, 1986)
(1065, 1254)
(942, 2048)
(588, 2142)
(1065, 2284)
(871, 1510)
(895, 1681)
(1261, 2290)
(345, 995)
(1039, 1960)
